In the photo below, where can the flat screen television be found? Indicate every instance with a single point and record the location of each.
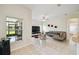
(35, 29)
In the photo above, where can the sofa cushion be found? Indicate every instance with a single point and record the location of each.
(60, 35)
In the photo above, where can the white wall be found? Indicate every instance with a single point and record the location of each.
(60, 23)
(36, 23)
(17, 11)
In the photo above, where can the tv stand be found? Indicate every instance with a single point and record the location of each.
(35, 35)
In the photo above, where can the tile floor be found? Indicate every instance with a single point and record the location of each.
(45, 47)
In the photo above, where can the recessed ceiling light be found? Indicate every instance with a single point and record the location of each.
(58, 5)
(65, 14)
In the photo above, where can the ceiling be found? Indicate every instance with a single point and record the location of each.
(53, 11)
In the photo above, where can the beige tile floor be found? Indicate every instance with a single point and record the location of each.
(45, 47)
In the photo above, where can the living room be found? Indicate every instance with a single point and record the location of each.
(46, 28)
(57, 20)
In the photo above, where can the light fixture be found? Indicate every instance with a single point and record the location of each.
(58, 5)
(65, 14)
(44, 17)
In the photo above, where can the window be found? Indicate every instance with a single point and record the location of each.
(14, 29)
(11, 24)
